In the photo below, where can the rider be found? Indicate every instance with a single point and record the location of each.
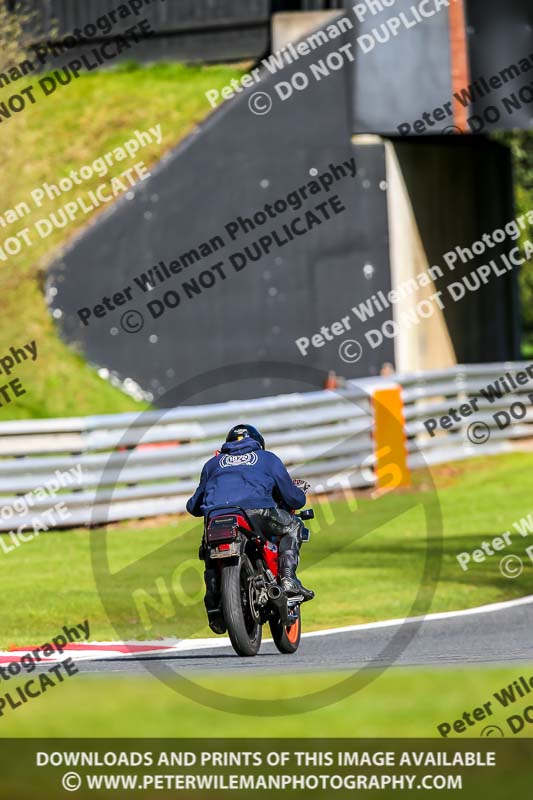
(244, 474)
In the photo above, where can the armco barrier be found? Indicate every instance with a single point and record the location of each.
(432, 394)
(142, 465)
(318, 435)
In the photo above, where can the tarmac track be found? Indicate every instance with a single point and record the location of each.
(500, 633)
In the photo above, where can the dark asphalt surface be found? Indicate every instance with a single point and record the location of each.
(483, 638)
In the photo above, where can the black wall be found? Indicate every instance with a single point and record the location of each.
(464, 191)
(233, 165)
(399, 80)
(186, 30)
(500, 35)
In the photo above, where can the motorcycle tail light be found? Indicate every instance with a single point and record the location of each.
(222, 529)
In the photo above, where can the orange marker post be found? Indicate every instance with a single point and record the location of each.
(390, 442)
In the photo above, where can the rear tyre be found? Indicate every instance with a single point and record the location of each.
(287, 640)
(244, 631)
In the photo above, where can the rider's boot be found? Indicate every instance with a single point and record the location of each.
(212, 602)
(291, 585)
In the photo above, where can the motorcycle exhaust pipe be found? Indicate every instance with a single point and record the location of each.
(279, 600)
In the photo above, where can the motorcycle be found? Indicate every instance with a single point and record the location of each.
(245, 565)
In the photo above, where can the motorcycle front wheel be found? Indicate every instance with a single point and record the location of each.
(244, 631)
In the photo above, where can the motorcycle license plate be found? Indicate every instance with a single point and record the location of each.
(225, 550)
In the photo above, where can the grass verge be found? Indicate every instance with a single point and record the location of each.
(400, 703)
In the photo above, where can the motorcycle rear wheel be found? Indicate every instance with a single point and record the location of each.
(244, 631)
(287, 640)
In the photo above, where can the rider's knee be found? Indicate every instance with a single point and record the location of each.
(290, 540)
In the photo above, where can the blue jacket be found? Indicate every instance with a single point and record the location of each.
(244, 475)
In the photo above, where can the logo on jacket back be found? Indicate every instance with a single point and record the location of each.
(243, 460)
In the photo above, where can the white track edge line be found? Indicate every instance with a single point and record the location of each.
(188, 645)
(487, 609)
